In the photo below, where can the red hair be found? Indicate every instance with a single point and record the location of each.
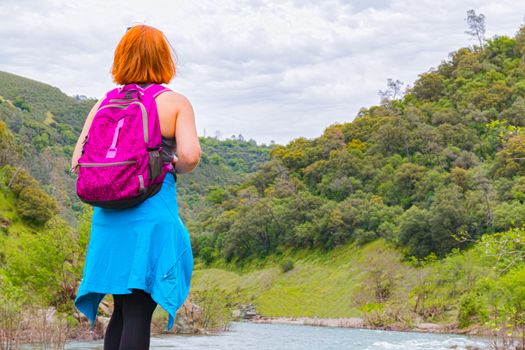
(143, 55)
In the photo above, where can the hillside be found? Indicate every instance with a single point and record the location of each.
(46, 124)
(46, 103)
(44, 228)
(223, 163)
(443, 161)
(413, 212)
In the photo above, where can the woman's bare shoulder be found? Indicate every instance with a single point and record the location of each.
(174, 97)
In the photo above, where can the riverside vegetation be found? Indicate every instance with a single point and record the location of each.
(412, 213)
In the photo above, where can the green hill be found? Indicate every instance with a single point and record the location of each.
(44, 228)
(443, 161)
(48, 104)
(413, 212)
(223, 163)
(46, 124)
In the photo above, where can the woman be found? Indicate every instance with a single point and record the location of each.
(142, 255)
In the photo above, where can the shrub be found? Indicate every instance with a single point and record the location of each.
(36, 205)
(471, 310)
(287, 265)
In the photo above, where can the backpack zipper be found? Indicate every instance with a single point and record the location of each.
(108, 164)
(123, 100)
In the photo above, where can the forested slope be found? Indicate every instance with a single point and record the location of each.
(420, 201)
(412, 212)
(46, 123)
(44, 227)
(430, 171)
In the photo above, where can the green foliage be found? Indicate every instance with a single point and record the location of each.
(43, 263)
(286, 265)
(40, 98)
(21, 103)
(206, 255)
(513, 287)
(32, 203)
(471, 310)
(35, 205)
(217, 305)
(429, 86)
(430, 171)
(9, 150)
(223, 163)
(216, 195)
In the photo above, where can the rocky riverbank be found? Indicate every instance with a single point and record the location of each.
(357, 322)
(45, 327)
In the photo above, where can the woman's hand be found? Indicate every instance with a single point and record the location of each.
(74, 169)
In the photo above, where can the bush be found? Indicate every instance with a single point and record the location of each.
(32, 202)
(216, 306)
(206, 254)
(35, 205)
(471, 310)
(287, 265)
(11, 301)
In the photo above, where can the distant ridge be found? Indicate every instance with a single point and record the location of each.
(44, 98)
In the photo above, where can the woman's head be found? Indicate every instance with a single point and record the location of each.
(143, 55)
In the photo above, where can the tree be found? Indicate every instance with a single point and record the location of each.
(21, 103)
(43, 263)
(476, 26)
(9, 150)
(429, 86)
(520, 39)
(393, 90)
(36, 205)
(414, 232)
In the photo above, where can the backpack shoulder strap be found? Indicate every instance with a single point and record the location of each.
(155, 90)
(113, 93)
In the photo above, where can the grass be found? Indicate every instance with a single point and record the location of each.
(7, 206)
(321, 284)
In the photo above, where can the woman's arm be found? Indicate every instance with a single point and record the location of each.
(78, 148)
(188, 146)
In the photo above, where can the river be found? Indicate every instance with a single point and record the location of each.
(247, 336)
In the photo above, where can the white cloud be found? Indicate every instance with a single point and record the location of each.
(268, 70)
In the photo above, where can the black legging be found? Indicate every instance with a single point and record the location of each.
(130, 324)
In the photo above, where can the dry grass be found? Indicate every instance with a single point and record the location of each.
(9, 326)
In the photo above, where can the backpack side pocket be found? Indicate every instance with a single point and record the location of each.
(154, 164)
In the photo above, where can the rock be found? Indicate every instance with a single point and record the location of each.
(236, 314)
(4, 222)
(350, 322)
(106, 307)
(189, 320)
(104, 321)
(245, 311)
(430, 327)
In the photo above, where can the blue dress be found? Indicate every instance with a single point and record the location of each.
(144, 247)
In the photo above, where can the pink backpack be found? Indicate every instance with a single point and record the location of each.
(121, 163)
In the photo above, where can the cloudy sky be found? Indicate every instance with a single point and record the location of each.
(269, 70)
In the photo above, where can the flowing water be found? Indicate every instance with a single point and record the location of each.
(247, 336)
